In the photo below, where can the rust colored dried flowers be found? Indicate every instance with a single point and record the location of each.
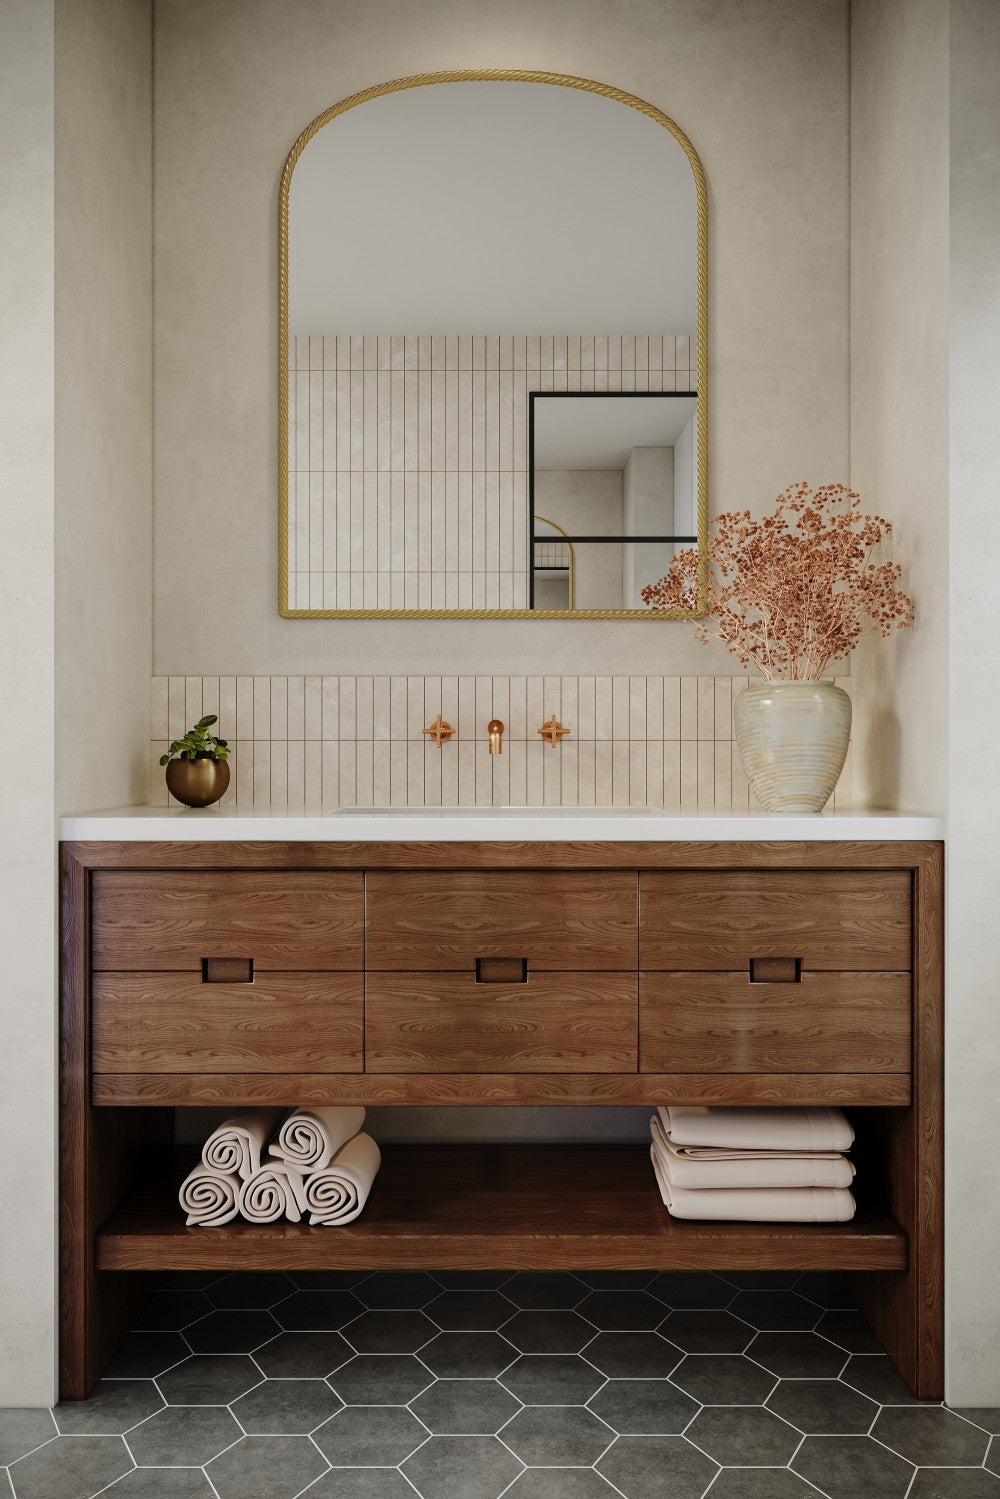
(794, 592)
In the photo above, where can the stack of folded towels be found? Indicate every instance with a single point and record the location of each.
(262, 1166)
(754, 1165)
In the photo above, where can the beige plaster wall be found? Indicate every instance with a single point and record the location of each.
(235, 83)
(27, 831)
(899, 382)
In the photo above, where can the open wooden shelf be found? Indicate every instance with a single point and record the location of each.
(506, 1207)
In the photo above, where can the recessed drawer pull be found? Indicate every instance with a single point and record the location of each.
(501, 970)
(775, 970)
(227, 970)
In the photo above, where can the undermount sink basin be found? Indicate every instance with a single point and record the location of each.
(424, 811)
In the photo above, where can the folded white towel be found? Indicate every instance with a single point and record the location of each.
(310, 1138)
(273, 1192)
(808, 1131)
(209, 1198)
(719, 1169)
(338, 1193)
(765, 1205)
(238, 1143)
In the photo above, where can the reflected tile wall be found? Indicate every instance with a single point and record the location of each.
(314, 743)
(408, 459)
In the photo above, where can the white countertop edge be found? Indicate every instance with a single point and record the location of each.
(227, 825)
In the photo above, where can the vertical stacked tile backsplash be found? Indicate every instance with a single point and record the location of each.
(315, 743)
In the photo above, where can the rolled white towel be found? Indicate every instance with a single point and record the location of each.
(209, 1198)
(719, 1169)
(764, 1205)
(338, 1193)
(274, 1191)
(238, 1142)
(804, 1131)
(310, 1138)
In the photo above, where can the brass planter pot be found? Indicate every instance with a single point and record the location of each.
(197, 783)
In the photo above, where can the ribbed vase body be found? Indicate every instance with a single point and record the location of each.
(792, 738)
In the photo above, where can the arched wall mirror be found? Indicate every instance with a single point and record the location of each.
(492, 351)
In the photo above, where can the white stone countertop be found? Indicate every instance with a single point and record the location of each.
(492, 824)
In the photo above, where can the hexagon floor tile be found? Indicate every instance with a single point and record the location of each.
(469, 1385)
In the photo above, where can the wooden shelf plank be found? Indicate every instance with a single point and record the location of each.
(508, 1207)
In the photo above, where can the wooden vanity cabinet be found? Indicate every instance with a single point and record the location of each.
(231, 974)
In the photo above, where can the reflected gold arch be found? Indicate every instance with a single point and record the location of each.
(493, 75)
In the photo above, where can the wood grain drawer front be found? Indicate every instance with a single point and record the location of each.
(558, 920)
(830, 919)
(287, 1022)
(283, 919)
(828, 1022)
(446, 1022)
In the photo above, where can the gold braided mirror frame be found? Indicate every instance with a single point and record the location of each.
(492, 75)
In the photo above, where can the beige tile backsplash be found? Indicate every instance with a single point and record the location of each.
(314, 743)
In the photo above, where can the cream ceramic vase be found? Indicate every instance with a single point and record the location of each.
(792, 738)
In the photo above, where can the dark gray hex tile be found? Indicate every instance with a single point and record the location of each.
(462, 1468)
(183, 1436)
(847, 1467)
(552, 1379)
(748, 1436)
(875, 1375)
(329, 1280)
(931, 1437)
(472, 1280)
(561, 1483)
(232, 1332)
(954, 1483)
(265, 1468)
(691, 1288)
(988, 1417)
(162, 1483)
(557, 1436)
(760, 1483)
(850, 1331)
(303, 1355)
(617, 1280)
(398, 1288)
(828, 1288)
(380, 1379)
(470, 1311)
(548, 1331)
(251, 1288)
(644, 1407)
(70, 1468)
(114, 1406)
(21, 1431)
(145, 1355)
(189, 1280)
(209, 1379)
(361, 1483)
(389, 1331)
(544, 1288)
(468, 1355)
(723, 1379)
(761, 1280)
(823, 1407)
(652, 1467)
(775, 1311)
(632, 1355)
(317, 1311)
(706, 1332)
(286, 1407)
(370, 1436)
(465, 1407)
(797, 1355)
(622, 1311)
(170, 1310)
(993, 1457)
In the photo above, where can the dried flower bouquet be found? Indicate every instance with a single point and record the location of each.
(794, 592)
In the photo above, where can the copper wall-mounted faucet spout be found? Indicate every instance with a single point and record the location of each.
(495, 730)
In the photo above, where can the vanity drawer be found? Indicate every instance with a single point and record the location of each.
(558, 920)
(826, 919)
(826, 1022)
(447, 1022)
(286, 1022)
(282, 920)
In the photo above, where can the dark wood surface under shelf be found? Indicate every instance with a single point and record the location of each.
(507, 1207)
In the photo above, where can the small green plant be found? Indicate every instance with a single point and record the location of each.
(198, 743)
